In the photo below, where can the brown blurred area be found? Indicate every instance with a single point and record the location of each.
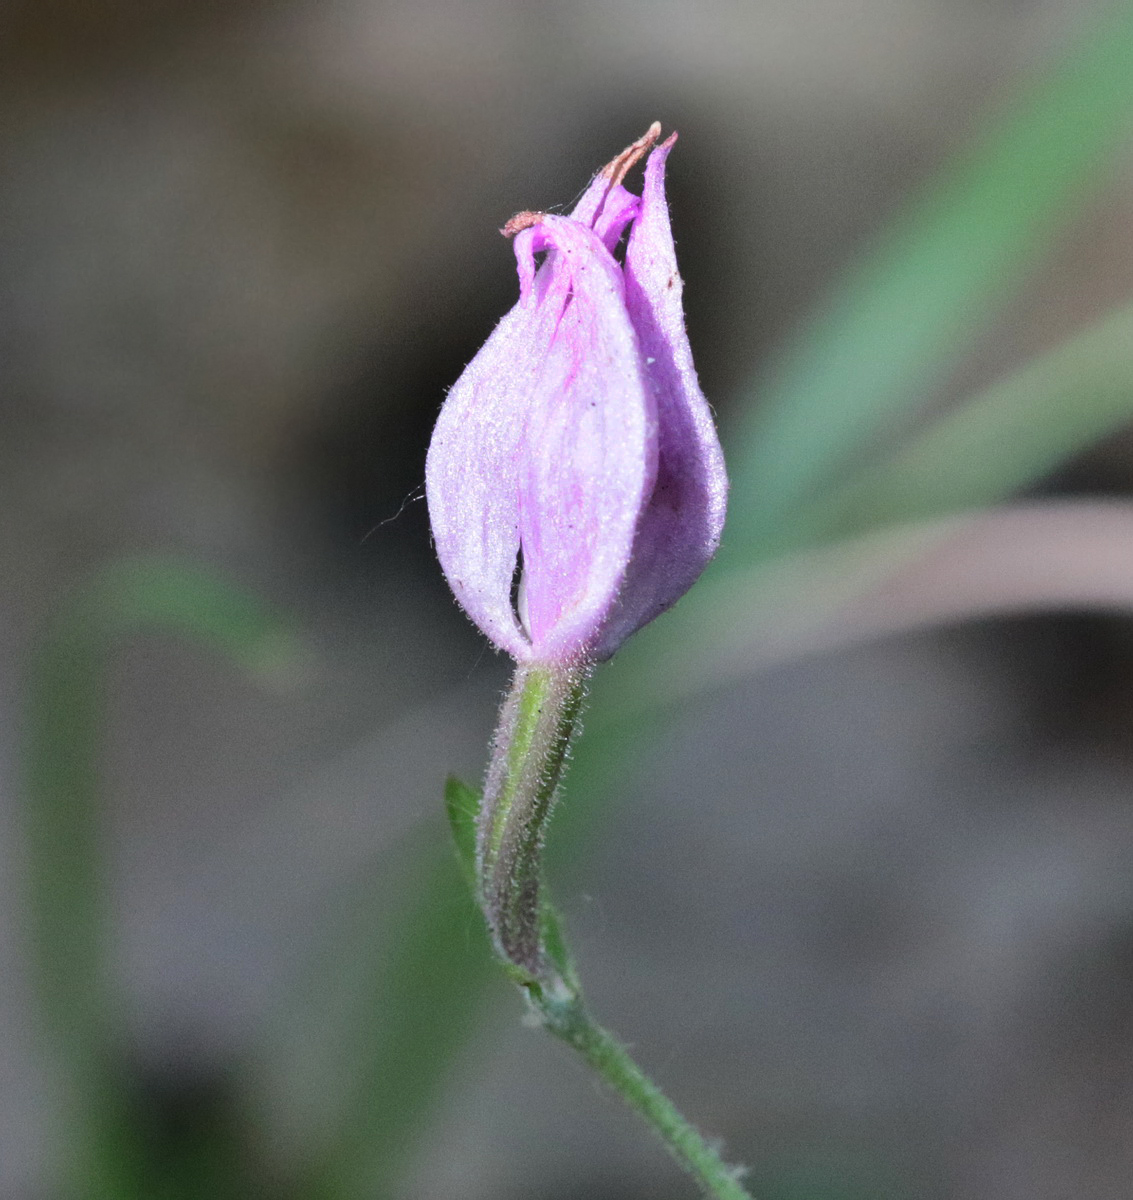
(870, 918)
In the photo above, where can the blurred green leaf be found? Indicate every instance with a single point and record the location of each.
(831, 1172)
(882, 341)
(66, 876)
(462, 804)
(555, 944)
(425, 995)
(1008, 437)
(422, 1002)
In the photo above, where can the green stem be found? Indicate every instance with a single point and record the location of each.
(535, 728)
(537, 721)
(608, 1057)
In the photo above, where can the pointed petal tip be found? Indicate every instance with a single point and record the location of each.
(660, 153)
(619, 166)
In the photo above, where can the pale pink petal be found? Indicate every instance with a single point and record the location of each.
(589, 452)
(680, 529)
(607, 208)
(589, 205)
(472, 469)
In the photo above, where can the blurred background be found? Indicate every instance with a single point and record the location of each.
(868, 917)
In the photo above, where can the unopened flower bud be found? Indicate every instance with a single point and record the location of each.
(577, 443)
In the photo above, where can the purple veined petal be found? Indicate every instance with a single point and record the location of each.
(680, 527)
(473, 464)
(589, 205)
(589, 452)
(607, 208)
(620, 208)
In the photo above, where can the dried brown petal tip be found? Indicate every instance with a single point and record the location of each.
(520, 221)
(617, 168)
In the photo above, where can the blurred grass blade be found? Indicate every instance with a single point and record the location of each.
(66, 872)
(420, 996)
(420, 1003)
(907, 311)
(65, 893)
(1045, 555)
(1007, 438)
(558, 951)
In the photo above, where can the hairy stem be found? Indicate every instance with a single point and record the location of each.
(537, 721)
(536, 724)
(609, 1058)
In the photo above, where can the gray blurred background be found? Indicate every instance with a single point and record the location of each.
(869, 917)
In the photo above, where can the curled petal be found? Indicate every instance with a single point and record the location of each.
(680, 528)
(605, 193)
(607, 208)
(590, 204)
